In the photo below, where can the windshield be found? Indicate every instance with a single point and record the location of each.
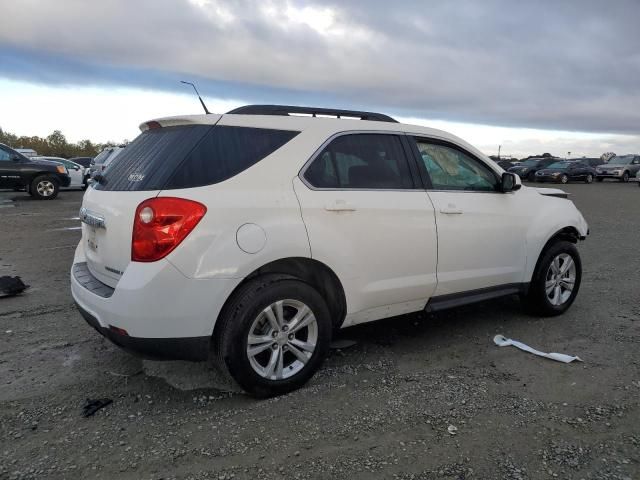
(530, 163)
(619, 160)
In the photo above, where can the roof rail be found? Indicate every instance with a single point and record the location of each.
(313, 111)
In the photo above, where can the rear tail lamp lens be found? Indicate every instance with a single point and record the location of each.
(161, 224)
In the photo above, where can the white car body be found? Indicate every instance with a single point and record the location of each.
(393, 252)
(75, 171)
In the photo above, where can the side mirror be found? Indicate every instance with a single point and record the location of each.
(510, 182)
(15, 158)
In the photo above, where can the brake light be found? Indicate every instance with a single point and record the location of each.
(160, 224)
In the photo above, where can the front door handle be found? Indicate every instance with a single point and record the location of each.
(339, 206)
(451, 209)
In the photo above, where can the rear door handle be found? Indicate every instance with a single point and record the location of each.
(340, 206)
(451, 209)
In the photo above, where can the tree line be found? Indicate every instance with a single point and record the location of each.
(54, 145)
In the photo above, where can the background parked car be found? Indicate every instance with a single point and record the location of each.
(591, 161)
(528, 168)
(103, 159)
(84, 161)
(42, 180)
(564, 172)
(77, 173)
(27, 152)
(507, 164)
(622, 168)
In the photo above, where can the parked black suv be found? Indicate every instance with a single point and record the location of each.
(41, 180)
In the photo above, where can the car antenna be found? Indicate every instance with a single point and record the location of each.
(199, 97)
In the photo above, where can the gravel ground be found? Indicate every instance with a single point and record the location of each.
(383, 408)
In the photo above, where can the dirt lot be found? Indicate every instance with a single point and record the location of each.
(380, 409)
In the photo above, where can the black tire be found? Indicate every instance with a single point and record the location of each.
(599, 179)
(589, 178)
(44, 187)
(564, 179)
(237, 318)
(536, 300)
(531, 176)
(625, 177)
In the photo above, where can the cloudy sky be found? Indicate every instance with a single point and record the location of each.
(537, 76)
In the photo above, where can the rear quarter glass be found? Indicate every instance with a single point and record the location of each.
(189, 156)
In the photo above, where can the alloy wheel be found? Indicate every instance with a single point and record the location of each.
(45, 188)
(560, 279)
(589, 178)
(282, 339)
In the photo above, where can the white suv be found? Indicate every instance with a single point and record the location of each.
(256, 234)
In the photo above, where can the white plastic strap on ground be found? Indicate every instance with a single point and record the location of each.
(503, 341)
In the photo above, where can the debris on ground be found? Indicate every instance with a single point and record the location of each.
(452, 429)
(92, 406)
(11, 286)
(502, 341)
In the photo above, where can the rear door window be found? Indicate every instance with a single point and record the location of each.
(226, 151)
(189, 156)
(361, 161)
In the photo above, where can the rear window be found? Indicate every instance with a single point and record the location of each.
(190, 156)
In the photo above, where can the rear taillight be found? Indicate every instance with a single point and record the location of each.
(161, 224)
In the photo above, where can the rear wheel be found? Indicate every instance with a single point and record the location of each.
(589, 178)
(531, 177)
(564, 178)
(44, 187)
(556, 280)
(274, 335)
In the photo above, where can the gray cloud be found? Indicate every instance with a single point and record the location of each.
(571, 65)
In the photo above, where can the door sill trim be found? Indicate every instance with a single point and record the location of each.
(452, 300)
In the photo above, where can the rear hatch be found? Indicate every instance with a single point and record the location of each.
(108, 207)
(163, 158)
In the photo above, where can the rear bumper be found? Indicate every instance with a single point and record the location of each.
(189, 348)
(165, 315)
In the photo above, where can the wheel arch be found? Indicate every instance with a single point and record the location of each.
(308, 270)
(568, 233)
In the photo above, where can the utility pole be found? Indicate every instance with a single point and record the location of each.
(499, 147)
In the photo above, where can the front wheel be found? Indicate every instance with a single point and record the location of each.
(564, 179)
(589, 178)
(625, 177)
(531, 177)
(44, 187)
(556, 280)
(274, 335)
